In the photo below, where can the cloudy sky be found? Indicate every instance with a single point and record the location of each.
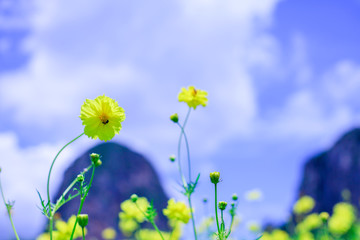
(283, 78)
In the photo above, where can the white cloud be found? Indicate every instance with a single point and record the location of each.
(24, 170)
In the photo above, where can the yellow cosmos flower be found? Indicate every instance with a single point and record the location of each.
(177, 211)
(102, 118)
(193, 97)
(304, 205)
(63, 230)
(108, 233)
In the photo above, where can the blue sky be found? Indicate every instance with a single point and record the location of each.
(283, 79)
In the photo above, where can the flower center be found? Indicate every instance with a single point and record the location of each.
(194, 92)
(104, 118)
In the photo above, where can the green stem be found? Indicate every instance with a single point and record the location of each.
(222, 220)
(157, 229)
(192, 217)
(150, 220)
(187, 149)
(216, 213)
(179, 148)
(83, 233)
(83, 196)
(9, 212)
(231, 224)
(48, 183)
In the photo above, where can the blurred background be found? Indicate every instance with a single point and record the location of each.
(283, 78)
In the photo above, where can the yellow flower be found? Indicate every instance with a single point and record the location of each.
(177, 211)
(193, 97)
(149, 234)
(304, 205)
(342, 219)
(253, 226)
(311, 222)
(253, 195)
(131, 216)
(131, 211)
(128, 226)
(64, 230)
(108, 233)
(278, 234)
(102, 118)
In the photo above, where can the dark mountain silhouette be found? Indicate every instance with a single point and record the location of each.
(122, 173)
(329, 173)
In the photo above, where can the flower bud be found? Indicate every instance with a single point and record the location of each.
(215, 177)
(94, 157)
(80, 178)
(324, 216)
(98, 163)
(172, 158)
(0, 169)
(234, 197)
(222, 205)
(134, 198)
(83, 220)
(205, 200)
(174, 118)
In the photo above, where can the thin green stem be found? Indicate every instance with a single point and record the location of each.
(231, 225)
(179, 148)
(187, 149)
(83, 197)
(48, 183)
(83, 233)
(222, 220)
(216, 212)
(8, 208)
(157, 229)
(59, 202)
(192, 217)
(150, 220)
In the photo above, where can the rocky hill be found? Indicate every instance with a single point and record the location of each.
(329, 173)
(122, 173)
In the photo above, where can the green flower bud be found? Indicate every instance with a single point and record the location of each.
(98, 163)
(174, 118)
(80, 178)
(83, 220)
(205, 200)
(234, 197)
(134, 198)
(324, 216)
(222, 205)
(215, 177)
(94, 157)
(172, 158)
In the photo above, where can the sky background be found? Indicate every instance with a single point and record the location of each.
(283, 78)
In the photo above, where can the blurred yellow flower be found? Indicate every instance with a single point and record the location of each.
(306, 236)
(102, 118)
(63, 230)
(131, 215)
(149, 234)
(108, 233)
(278, 234)
(177, 211)
(193, 97)
(253, 195)
(253, 227)
(342, 219)
(128, 226)
(304, 205)
(311, 222)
